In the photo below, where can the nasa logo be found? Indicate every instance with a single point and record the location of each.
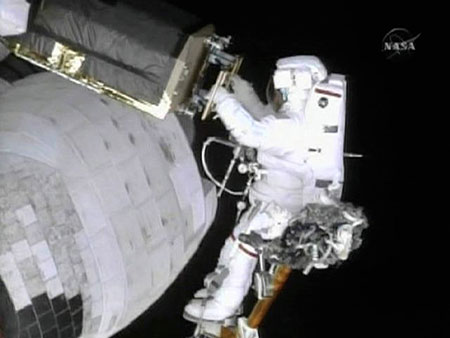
(398, 41)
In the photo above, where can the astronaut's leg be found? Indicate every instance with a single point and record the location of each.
(213, 280)
(228, 297)
(241, 262)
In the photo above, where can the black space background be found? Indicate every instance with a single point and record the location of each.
(389, 287)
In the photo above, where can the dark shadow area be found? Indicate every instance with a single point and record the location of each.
(13, 68)
(9, 324)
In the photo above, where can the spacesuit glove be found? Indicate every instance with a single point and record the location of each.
(241, 87)
(221, 95)
(234, 116)
(224, 102)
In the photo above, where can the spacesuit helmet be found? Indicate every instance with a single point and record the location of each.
(293, 80)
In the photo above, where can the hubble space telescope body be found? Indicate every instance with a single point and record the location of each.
(101, 200)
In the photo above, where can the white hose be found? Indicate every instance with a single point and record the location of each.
(205, 165)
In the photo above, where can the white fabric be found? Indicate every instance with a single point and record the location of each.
(282, 143)
(315, 66)
(287, 78)
(295, 77)
(282, 78)
(224, 259)
(271, 134)
(267, 219)
(247, 96)
(13, 17)
(228, 297)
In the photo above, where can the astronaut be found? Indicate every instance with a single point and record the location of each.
(295, 151)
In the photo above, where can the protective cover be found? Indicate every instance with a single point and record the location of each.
(139, 51)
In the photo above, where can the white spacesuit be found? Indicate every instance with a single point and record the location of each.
(297, 154)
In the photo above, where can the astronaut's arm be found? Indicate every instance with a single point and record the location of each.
(268, 134)
(13, 17)
(247, 96)
(237, 120)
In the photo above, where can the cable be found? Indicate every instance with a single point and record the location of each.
(221, 185)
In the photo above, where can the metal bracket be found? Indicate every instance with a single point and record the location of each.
(230, 65)
(65, 60)
(223, 80)
(263, 284)
(263, 280)
(213, 329)
(245, 331)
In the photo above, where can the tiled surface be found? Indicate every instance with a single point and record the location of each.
(37, 270)
(43, 317)
(92, 194)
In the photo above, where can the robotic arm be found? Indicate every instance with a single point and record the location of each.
(13, 17)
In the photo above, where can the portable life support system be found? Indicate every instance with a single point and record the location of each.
(325, 119)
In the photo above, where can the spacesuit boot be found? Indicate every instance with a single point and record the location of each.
(227, 299)
(212, 280)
